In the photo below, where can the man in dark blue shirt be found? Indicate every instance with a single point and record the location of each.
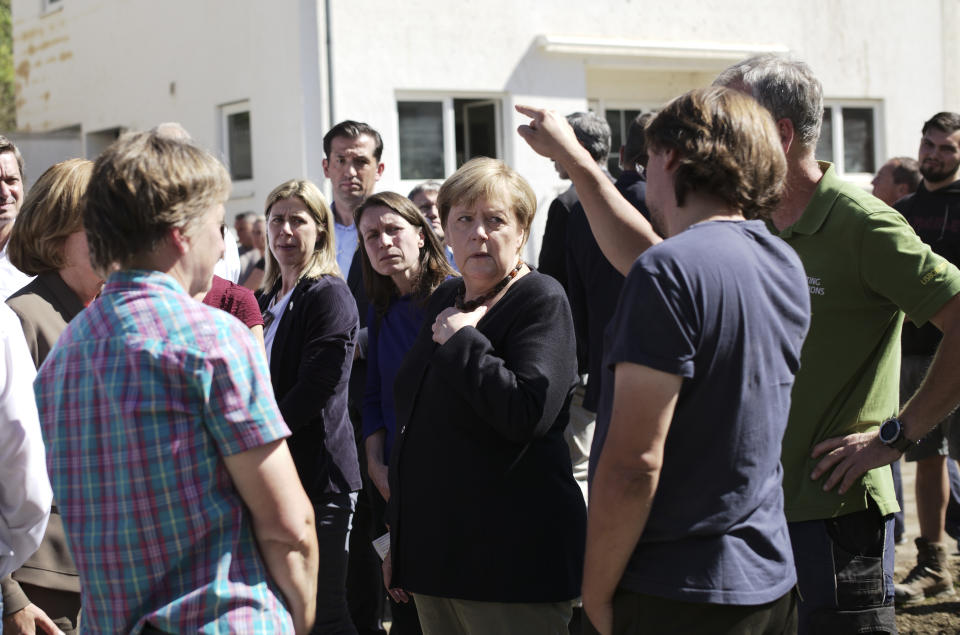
(686, 531)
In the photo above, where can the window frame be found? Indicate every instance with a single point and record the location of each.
(836, 107)
(50, 6)
(448, 114)
(601, 106)
(223, 142)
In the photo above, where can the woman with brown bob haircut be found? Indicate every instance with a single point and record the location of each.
(487, 524)
(48, 241)
(403, 263)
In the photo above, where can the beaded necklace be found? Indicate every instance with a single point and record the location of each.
(474, 303)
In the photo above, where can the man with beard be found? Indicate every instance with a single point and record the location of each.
(934, 212)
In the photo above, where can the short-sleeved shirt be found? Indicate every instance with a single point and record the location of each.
(144, 394)
(935, 216)
(723, 305)
(236, 300)
(865, 267)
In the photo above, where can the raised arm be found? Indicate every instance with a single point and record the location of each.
(283, 524)
(621, 231)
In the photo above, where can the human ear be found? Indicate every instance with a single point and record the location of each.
(787, 133)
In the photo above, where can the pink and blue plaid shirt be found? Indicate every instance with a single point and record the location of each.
(141, 398)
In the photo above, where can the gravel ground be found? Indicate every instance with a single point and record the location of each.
(933, 616)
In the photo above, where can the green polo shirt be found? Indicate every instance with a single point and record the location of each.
(865, 267)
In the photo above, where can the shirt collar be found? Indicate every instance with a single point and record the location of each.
(816, 212)
(128, 279)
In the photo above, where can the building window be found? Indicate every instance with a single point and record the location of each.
(437, 136)
(49, 6)
(99, 140)
(848, 137)
(421, 139)
(619, 120)
(235, 140)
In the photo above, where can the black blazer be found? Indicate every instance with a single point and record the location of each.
(483, 503)
(310, 368)
(593, 284)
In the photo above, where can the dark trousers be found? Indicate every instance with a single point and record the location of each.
(638, 613)
(333, 513)
(845, 573)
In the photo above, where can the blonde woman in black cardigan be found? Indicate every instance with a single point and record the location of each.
(487, 522)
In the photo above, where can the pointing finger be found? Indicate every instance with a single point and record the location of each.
(530, 111)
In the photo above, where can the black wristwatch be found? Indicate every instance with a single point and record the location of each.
(892, 435)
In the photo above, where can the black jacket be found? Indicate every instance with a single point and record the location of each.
(483, 502)
(310, 367)
(593, 285)
(553, 260)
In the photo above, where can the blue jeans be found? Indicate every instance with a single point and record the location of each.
(845, 573)
(333, 513)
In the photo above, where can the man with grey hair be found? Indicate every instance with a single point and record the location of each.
(865, 266)
(593, 288)
(424, 196)
(593, 133)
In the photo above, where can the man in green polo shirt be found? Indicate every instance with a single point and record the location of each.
(865, 267)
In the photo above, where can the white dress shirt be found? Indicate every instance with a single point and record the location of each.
(11, 278)
(25, 494)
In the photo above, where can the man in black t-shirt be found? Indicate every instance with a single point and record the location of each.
(934, 213)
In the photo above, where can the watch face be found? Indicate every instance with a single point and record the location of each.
(889, 431)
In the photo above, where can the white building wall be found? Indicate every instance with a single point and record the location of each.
(134, 63)
(107, 63)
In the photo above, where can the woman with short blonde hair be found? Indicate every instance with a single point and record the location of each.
(487, 524)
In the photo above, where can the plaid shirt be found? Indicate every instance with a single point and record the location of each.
(139, 400)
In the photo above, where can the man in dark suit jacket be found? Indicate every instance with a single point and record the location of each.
(593, 288)
(593, 133)
(353, 150)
